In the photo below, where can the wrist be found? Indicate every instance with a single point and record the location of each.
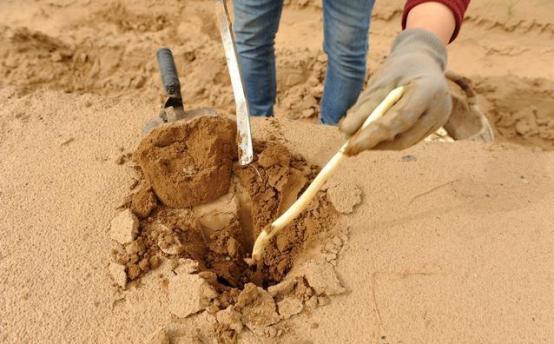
(422, 41)
(434, 17)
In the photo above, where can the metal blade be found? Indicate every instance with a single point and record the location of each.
(246, 151)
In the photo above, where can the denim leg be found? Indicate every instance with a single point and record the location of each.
(256, 24)
(346, 26)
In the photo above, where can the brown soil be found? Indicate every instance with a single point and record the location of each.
(189, 164)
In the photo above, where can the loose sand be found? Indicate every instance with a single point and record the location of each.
(444, 242)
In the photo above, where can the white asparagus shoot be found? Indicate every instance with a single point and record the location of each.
(326, 172)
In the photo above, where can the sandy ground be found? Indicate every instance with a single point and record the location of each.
(451, 243)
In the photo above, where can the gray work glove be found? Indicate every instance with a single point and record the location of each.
(417, 61)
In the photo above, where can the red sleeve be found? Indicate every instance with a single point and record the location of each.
(458, 8)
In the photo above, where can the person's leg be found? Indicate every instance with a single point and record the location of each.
(346, 26)
(256, 24)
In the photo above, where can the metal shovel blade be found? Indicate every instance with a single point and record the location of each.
(246, 150)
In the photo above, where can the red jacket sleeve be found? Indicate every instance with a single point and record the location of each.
(458, 8)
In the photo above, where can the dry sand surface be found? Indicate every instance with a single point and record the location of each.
(107, 236)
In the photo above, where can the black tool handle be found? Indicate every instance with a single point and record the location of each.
(170, 79)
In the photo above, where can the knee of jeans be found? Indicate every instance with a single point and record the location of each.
(346, 48)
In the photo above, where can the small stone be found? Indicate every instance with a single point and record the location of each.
(189, 294)
(289, 306)
(117, 271)
(159, 337)
(124, 227)
(231, 318)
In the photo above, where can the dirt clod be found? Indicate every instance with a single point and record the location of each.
(169, 153)
(189, 294)
(344, 196)
(321, 276)
(290, 306)
(143, 202)
(257, 308)
(124, 227)
(117, 272)
(230, 318)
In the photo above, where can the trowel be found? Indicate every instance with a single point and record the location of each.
(246, 150)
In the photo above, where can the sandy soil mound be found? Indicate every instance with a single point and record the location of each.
(197, 212)
(212, 212)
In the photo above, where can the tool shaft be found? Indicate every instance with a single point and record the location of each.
(246, 150)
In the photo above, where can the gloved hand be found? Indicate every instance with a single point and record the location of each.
(417, 61)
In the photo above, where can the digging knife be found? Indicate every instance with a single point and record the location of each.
(246, 151)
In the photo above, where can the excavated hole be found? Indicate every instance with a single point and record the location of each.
(521, 109)
(195, 202)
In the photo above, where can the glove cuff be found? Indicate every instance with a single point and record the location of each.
(423, 41)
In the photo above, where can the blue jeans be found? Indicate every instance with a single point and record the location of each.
(346, 26)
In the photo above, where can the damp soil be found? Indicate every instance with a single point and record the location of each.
(194, 201)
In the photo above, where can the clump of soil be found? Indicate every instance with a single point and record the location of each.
(189, 164)
(195, 202)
